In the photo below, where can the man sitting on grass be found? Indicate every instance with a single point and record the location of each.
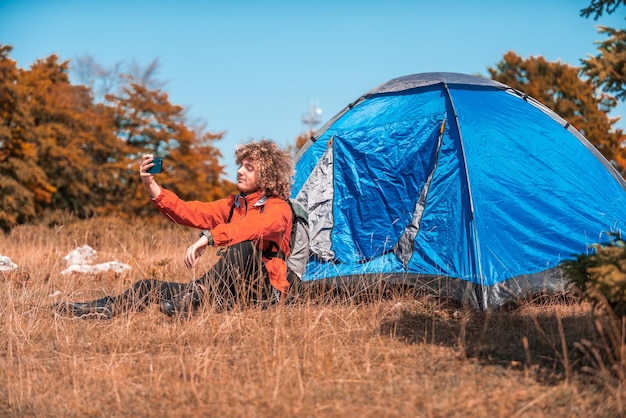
(253, 226)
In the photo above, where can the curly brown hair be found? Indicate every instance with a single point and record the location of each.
(275, 166)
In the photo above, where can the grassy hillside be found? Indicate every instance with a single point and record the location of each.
(395, 354)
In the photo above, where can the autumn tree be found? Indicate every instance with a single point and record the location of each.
(148, 123)
(105, 80)
(598, 7)
(559, 87)
(77, 150)
(607, 69)
(50, 134)
(302, 139)
(24, 186)
(62, 148)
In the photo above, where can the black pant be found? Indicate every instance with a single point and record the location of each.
(239, 278)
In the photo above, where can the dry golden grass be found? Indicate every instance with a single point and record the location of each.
(395, 355)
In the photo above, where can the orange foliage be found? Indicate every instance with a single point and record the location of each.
(61, 151)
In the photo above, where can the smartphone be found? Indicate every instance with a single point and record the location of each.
(158, 166)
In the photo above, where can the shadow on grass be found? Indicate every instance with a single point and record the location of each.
(543, 336)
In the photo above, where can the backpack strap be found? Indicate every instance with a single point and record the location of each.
(230, 214)
(236, 203)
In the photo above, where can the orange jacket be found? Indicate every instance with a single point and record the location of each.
(255, 218)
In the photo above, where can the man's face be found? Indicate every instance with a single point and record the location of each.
(247, 176)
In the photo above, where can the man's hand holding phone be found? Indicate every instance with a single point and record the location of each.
(148, 167)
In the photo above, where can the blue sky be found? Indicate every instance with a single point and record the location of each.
(253, 68)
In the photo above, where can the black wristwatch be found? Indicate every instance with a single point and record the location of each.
(206, 233)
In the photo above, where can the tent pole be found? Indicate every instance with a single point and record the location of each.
(480, 289)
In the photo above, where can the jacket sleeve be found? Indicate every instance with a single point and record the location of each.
(201, 215)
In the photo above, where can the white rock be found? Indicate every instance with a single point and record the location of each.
(6, 264)
(115, 266)
(81, 255)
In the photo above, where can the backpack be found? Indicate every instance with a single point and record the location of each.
(298, 243)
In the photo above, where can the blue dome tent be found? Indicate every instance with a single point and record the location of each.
(457, 183)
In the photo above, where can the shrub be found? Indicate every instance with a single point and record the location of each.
(601, 275)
